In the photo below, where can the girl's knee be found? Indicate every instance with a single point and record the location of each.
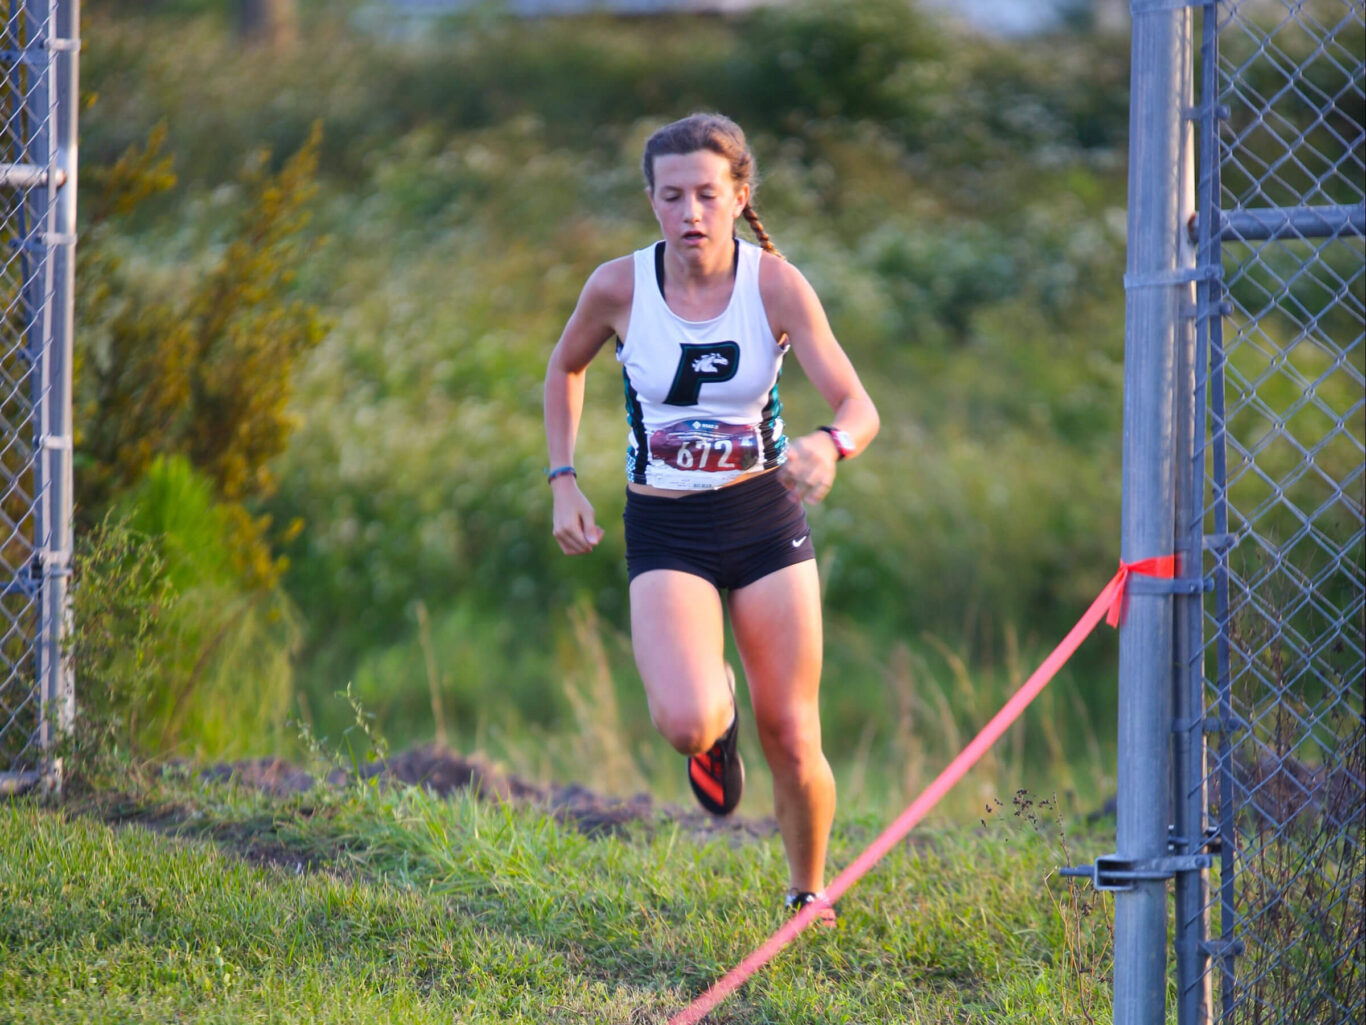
(792, 741)
(691, 731)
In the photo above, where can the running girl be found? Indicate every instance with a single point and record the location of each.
(714, 514)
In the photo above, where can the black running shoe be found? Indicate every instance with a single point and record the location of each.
(798, 899)
(717, 776)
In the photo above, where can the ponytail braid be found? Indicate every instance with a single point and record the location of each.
(759, 233)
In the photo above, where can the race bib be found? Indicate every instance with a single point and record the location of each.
(706, 446)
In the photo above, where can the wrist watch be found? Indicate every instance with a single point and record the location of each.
(843, 443)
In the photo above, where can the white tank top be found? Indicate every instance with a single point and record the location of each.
(701, 396)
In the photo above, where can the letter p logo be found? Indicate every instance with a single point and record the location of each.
(702, 364)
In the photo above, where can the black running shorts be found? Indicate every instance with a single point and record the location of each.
(731, 536)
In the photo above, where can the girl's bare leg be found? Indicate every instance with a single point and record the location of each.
(677, 631)
(777, 626)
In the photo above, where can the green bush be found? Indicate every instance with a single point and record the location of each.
(172, 653)
(827, 59)
(206, 371)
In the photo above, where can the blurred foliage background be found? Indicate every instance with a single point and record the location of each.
(319, 282)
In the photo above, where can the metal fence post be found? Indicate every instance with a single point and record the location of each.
(1188, 837)
(58, 685)
(1159, 86)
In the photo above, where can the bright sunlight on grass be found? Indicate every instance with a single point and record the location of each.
(193, 903)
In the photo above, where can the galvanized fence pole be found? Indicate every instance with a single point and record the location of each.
(1194, 943)
(58, 685)
(1156, 292)
(1187, 840)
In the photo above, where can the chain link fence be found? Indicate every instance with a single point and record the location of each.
(1267, 715)
(1277, 933)
(38, 58)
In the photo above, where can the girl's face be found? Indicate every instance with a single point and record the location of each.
(696, 202)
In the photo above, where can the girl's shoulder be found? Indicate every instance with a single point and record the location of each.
(781, 284)
(612, 284)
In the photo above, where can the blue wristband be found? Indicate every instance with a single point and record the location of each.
(560, 471)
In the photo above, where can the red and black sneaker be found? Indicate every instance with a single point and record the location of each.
(798, 899)
(717, 776)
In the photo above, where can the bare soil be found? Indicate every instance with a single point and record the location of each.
(445, 772)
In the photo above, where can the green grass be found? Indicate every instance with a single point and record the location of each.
(189, 903)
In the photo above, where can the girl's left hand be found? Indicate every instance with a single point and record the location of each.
(809, 471)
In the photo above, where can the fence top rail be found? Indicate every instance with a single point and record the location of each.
(1256, 224)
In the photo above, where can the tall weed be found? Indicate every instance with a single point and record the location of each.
(172, 652)
(1082, 929)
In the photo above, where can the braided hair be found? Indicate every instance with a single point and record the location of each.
(717, 134)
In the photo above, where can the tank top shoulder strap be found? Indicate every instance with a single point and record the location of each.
(750, 303)
(644, 292)
(747, 266)
(643, 264)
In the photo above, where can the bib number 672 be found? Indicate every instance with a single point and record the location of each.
(705, 446)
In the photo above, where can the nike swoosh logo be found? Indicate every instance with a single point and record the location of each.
(798, 543)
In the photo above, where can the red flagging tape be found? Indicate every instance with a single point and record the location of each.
(1109, 605)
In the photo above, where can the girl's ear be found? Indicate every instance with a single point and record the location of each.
(741, 199)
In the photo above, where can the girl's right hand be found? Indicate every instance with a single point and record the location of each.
(574, 526)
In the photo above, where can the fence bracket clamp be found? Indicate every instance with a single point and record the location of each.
(1177, 585)
(47, 562)
(1223, 948)
(1111, 873)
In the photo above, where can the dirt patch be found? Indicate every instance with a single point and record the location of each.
(445, 772)
(252, 841)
